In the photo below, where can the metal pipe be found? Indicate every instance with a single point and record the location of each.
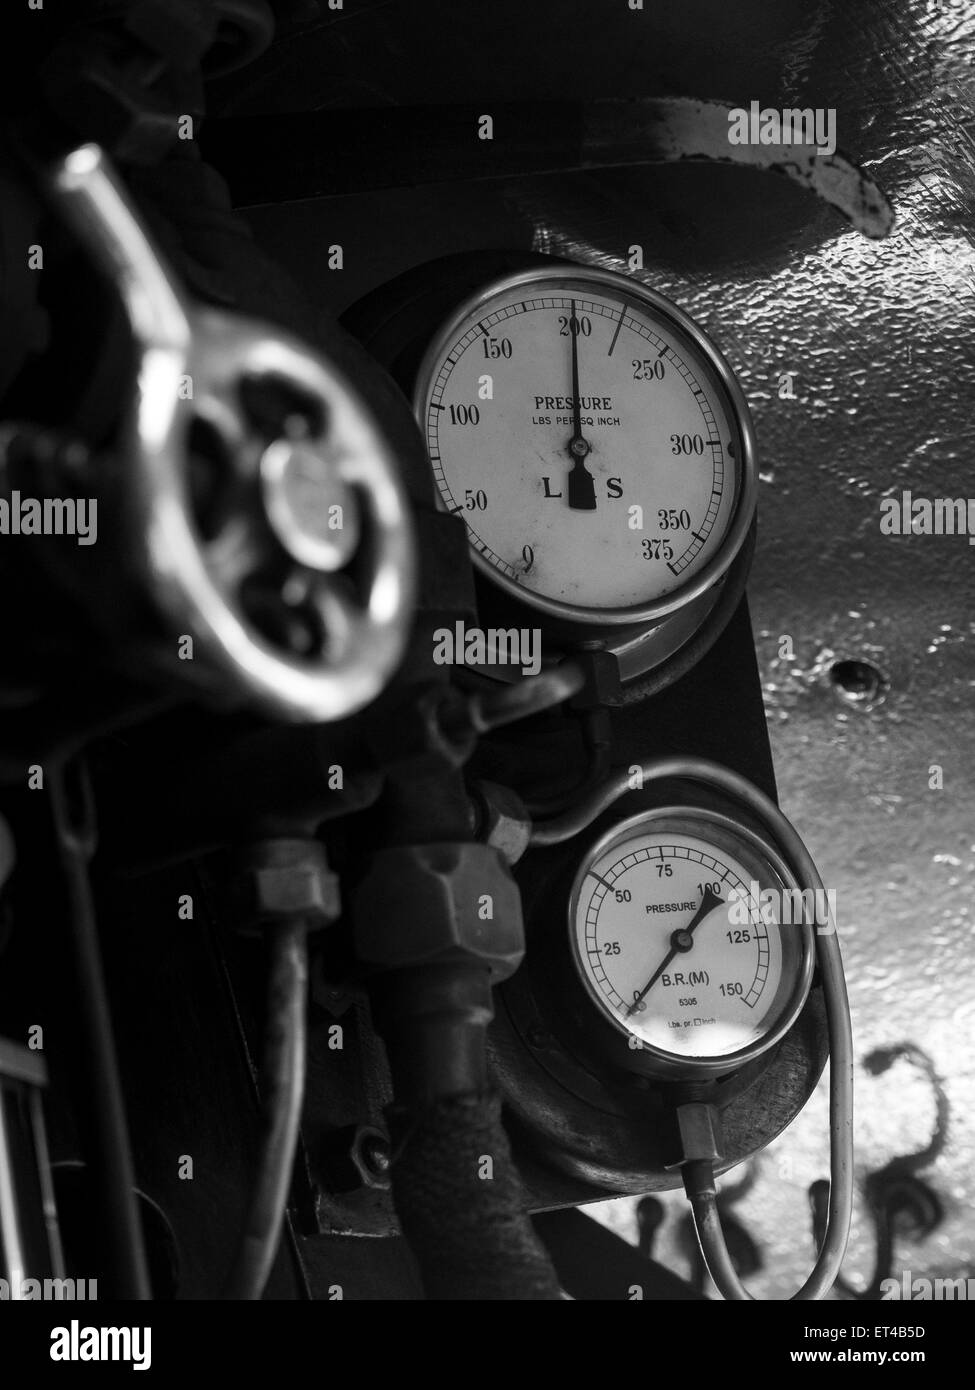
(111, 1159)
(282, 1091)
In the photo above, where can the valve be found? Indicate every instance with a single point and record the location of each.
(292, 566)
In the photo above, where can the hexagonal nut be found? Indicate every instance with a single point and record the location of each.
(424, 733)
(334, 996)
(371, 1157)
(427, 904)
(504, 820)
(282, 879)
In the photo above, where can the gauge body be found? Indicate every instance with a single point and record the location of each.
(691, 940)
(599, 450)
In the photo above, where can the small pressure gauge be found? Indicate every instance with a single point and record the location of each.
(692, 940)
(599, 450)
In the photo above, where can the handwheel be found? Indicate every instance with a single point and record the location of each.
(264, 495)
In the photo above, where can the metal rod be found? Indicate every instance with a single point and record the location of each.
(111, 1159)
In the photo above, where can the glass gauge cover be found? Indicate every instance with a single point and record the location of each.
(593, 440)
(691, 939)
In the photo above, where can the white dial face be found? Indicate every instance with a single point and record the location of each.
(676, 942)
(586, 440)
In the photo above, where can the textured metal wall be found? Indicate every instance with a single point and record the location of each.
(875, 343)
(857, 358)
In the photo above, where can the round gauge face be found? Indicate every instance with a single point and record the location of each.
(592, 439)
(684, 937)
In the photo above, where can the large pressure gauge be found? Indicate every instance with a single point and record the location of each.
(599, 450)
(692, 940)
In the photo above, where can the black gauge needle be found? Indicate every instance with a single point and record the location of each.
(680, 940)
(582, 486)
